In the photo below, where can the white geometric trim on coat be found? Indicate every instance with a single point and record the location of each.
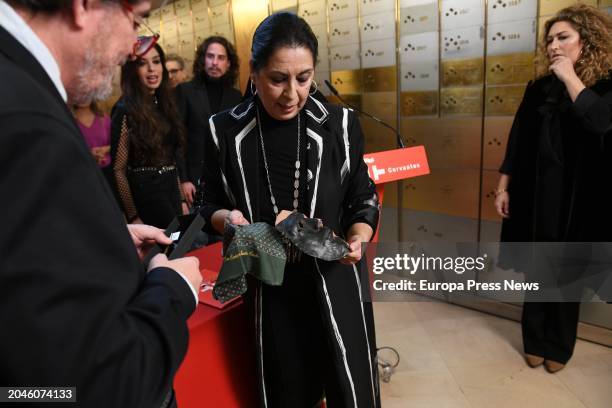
(213, 132)
(324, 111)
(337, 335)
(239, 138)
(365, 330)
(319, 141)
(241, 115)
(346, 167)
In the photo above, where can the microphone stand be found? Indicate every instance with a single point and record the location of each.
(398, 136)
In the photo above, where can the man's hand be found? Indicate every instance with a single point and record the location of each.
(189, 267)
(145, 236)
(189, 191)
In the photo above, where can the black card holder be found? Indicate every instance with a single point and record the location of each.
(183, 230)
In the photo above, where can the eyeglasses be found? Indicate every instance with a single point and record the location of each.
(144, 42)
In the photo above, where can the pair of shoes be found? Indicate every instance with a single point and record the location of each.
(533, 361)
(553, 366)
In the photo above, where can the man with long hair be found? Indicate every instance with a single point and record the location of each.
(215, 71)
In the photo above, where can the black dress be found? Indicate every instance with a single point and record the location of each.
(148, 187)
(314, 335)
(556, 155)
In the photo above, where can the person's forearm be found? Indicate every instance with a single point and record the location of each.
(502, 185)
(574, 87)
(361, 229)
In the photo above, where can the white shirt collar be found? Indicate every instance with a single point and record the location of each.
(21, 31)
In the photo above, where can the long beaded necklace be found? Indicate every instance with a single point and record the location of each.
(293, 254)
(296, 183)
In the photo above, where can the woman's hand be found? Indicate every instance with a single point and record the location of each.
(189, 191)
(235, 217)
(185, 208)
(355, 247)
(563, 68)
(502, 204)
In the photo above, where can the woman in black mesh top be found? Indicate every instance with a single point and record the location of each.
(146, 141)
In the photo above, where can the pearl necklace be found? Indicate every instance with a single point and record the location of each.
(296, 183)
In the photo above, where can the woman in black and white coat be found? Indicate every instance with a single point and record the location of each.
(283, 150)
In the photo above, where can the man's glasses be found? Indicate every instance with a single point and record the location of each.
(144, 42)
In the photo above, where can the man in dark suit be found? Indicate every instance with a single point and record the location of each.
(215, 70)
(77, 307)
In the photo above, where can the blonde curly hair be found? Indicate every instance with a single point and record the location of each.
(595, 29)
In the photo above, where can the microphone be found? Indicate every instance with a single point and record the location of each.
(333, 90)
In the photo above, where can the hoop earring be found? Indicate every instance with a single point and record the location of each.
(316, 88)
(253, 89)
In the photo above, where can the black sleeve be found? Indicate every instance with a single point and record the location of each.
(360, 201)
(593, 111)
(508, 165)
(76, 306)
(181, 106)
(215, 193)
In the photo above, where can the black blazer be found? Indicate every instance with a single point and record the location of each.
(194, 108)
(76, 306)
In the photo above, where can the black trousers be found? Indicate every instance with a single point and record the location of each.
(156, 196)
(550, 329)
(299, 363)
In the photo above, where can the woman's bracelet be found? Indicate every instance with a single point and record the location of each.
(500, 191)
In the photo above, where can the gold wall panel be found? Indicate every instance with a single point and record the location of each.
(552, 6)
(348, 82)
(490, 178)
(419, 103)
(380, 79)
(352, 99)
(462, 72)
(510, 69)
(382, 104)
(414, 130)
(453, 143)
(246, 14)
(496, 131)
(461, 101)
(605, 3)
(451, 192)
(503, 100)
(376, 136)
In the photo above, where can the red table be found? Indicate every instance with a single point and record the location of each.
(219, 369)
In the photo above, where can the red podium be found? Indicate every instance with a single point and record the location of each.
(393, 165)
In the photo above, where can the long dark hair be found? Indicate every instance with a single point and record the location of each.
(281, 30)
(152, 125)
(199, 68)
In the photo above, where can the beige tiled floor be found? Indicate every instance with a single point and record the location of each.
(456, 357)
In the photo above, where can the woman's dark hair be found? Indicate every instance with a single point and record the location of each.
(199, 72)
(152, 125)
(281, 30)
